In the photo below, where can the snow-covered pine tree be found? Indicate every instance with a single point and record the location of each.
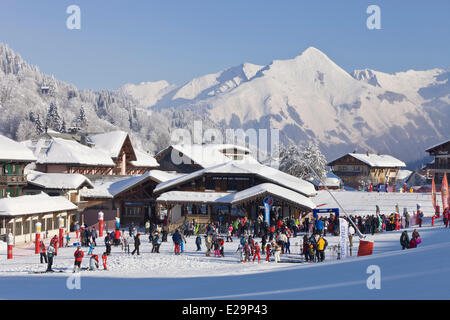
(38, 125)
(63, 127)
(36, 121)
(294, 160)
(82, 120)
(53, 120)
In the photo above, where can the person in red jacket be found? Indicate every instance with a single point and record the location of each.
(79, 254)
(268, 252)
(117, 237)
(54, 243)
(257, 250)
(42, 252)
(104, 258)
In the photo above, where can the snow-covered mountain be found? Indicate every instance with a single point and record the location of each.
(310, 97)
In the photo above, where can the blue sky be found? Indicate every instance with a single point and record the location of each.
(135, 41)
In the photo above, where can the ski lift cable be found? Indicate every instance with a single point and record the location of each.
(360, 235)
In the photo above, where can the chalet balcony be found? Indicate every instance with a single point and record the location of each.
(13, 180)
(436, 166)
(347, 173)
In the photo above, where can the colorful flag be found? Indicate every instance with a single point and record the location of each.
(433, 193)
(444, 192)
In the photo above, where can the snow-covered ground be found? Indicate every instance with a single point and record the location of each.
(411, 274)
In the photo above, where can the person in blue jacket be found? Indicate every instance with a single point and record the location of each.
(319, 226)
(176, 238)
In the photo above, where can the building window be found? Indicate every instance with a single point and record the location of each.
(132, 211)
(18, 228)
(49, 223)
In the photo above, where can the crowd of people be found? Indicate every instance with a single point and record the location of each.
(275, 239)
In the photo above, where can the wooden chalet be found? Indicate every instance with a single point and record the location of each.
(359, 169)
(13, 159)
(234, 188)
(440, 163)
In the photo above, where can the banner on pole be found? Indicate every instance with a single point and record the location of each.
(343, 237)
(444, 192)
(433, 193)
(268, 202)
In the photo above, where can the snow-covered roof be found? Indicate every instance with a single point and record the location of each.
(362, 203)
(144, 160)
(12, 150)
(261, 190)
(331, 180)
(437, 145)
(110, 186)
(109, 142)
(64, 151)
(34, 204)
(58, 180)
(269, 189)
(242, 167)
(375, 160)
(403, 174)
(207, 155)
(190, 197)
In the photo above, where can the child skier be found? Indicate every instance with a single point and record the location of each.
(268, 252)
(229, 233)
(198, 242)
(277, 251)
(67, 239)
(93, 263)
(221, 247)
(247, 250)
(91, 248)
(104, 258)
(241, 251)
(256, 249)
(79, 254)
(216, 248)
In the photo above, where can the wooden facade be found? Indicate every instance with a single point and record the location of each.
(354, 172)
(134, 205)
(441, 162)
(12, 178)
(251, 207)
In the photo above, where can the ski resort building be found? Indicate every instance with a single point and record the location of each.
(67, 185)
(13, 159)
(100, 154)
(363, 169)
(193, 157)
(440, 163)
(231, 189)
(129, 198)
(19, 215)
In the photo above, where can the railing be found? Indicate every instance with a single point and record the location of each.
(13, 179)
(438, 166)
(348, 173)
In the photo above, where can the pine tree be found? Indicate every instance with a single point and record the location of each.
(53, 119)
(82, 120)
(38, 125)
(298, 161)
(63, 127)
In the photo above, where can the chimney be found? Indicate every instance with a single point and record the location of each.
(367, 153)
